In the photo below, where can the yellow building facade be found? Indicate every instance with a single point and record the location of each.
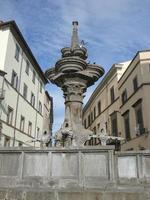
(120, 103)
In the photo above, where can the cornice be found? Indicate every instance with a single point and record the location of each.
(20, 39)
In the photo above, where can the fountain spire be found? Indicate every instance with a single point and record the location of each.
(74, 39)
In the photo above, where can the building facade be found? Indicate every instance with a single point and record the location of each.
(22, 112)
(134, 89)
(48, 115)
(120, 103)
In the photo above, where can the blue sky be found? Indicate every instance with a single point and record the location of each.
(113, 29)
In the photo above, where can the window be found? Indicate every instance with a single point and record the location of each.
(32, 99)
(14, 79)
(91, 117)
(22, 122)
(40, 86)
(40, 107)
(127, 126)
(17, 52)
(114, 126)
(124, 96)
(98, 127)
(135, 84)
(112, 94)
(94, 130)
(30, 128)
(7, 141)
(9, 115)
(94, 112)
(139, 116)
(38, 132)
(33, 77)
(106, 126)
(20, 144)
(89, 120)
(27, 67)
(85, 123)
(99, 107)
(25, 90)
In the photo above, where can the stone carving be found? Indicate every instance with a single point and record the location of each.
(73, 75)
(104, 137)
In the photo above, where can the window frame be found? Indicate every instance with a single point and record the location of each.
(33, 76)
(112, 94)
(135, 83)
(7, 141)
(14, 80)
(114, 126)
(27, 67)
(139, 116)
(126, 118)
(22, 123)
(40, 107)
(41, 86)
(10, 115)
(32, 101)
(17, 52)
(85, 123)
(29, 128)
(124, 96)
(89, 120)
(25, 91)
(99, 107)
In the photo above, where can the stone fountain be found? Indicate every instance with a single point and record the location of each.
(91, 173)
(73, 75)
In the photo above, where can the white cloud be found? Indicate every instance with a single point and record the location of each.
(114, 30)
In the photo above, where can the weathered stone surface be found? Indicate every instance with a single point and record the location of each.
(146, 166)
(124, 196)
(96, 165)
(65, 165)
(40, 195)
(9, 164)
(15, 194)
(83, 174)
(35, 164)
(127, 167)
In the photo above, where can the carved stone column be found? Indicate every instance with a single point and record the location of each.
(73, 75)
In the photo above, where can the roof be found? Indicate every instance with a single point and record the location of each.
(108, 75)
(19, 37)
(138, 52)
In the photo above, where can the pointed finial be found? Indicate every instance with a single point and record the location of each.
(74, 39)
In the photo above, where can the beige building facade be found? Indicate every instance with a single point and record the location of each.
(48, 114)
(134, 87)
(120, 103)
(22, 109)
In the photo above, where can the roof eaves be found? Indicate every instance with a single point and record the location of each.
(13, 25)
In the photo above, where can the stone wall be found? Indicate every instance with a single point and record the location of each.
(87, 173)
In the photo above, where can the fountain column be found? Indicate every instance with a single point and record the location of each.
(73, 75)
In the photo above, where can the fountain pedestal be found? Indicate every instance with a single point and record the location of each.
(73, 75)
